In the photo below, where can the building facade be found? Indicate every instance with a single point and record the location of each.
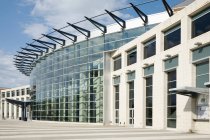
(149, 75)
(159, 79)
(12, 111)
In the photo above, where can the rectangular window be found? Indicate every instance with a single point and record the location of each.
(13, 93)
(8, 93)
(201, 23)
(149, 101)
(17, 93)
(117, 104)
(22, 91)
(131, 101)
(131, 57)
(27, 91)
(150, 48)
(172, 37)
(171, 103)
(117, 63)
(202, 74)
(3, 94)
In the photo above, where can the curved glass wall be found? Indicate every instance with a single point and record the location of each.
(68, 83)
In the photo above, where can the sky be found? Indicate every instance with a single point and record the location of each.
(23, 20)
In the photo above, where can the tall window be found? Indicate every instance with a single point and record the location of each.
(149, 101)
(117, 104)
(22, 91)
(27, 91)
(131, 102)
(3, 94)
(171, 105)
(117, 63)
(202, 74)
(131, 56)
(8, 93)
(150, 48)
(201, 23)
(172, 37)
(13, 93)
(17, 92)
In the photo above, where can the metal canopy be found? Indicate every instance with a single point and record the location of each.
(81, 30)
(120, 21)
(39, 47)
(68, 35)
(45, 43)
(190, 91)
(21, 56)
(23, 105)
(56, 39)
(97, 25)
(28, 54)
(23, 60)
(168, 8)
(141, 14)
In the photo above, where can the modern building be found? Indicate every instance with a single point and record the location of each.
(13, 111)
(150, 72)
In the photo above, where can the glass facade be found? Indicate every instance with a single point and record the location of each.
(150, 48)
(202, 74)
(171, 105)
(201, 23)
(172, 37)
(149, 101)
(131, 102)
(67, 85)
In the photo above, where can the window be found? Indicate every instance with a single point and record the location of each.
(3, 94)
(17, 93)
(27, 91)
(117, 104)
(150, 48)
(202, 74)
(8, 93)
(131, 57)
(13, 93)
(201, 23)
(149, 101)
(131, 102)
(172, 37)
(171, 104)
(117, 63)
(22, 91)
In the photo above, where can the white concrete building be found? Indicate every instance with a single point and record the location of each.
(12, 111)
(158, 80)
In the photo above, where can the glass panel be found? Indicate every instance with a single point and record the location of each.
(171, 123)
(131, 57)
(201, 23)
(172, 37)
(149, 48)
(149, 70)
(171, 63)
(117, 63)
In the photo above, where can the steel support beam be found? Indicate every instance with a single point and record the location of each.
(68, 35)
(97, 25)
(55, 39)
(141, 14)
(39, 47)
(81, 30)
(119, 21)
(45, 43)
(168, 8)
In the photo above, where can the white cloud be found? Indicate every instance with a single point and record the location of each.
(56, 13)
(9, 76)
(35, 30)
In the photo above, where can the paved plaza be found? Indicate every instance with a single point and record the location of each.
(33, 130)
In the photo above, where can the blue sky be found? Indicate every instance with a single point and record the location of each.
(22, 20)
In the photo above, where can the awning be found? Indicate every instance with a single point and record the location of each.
(190, 91)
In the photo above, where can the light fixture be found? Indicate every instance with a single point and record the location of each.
(114, 75)
(146, 64)
(198, 43)
(168, 55)
(128, 71)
